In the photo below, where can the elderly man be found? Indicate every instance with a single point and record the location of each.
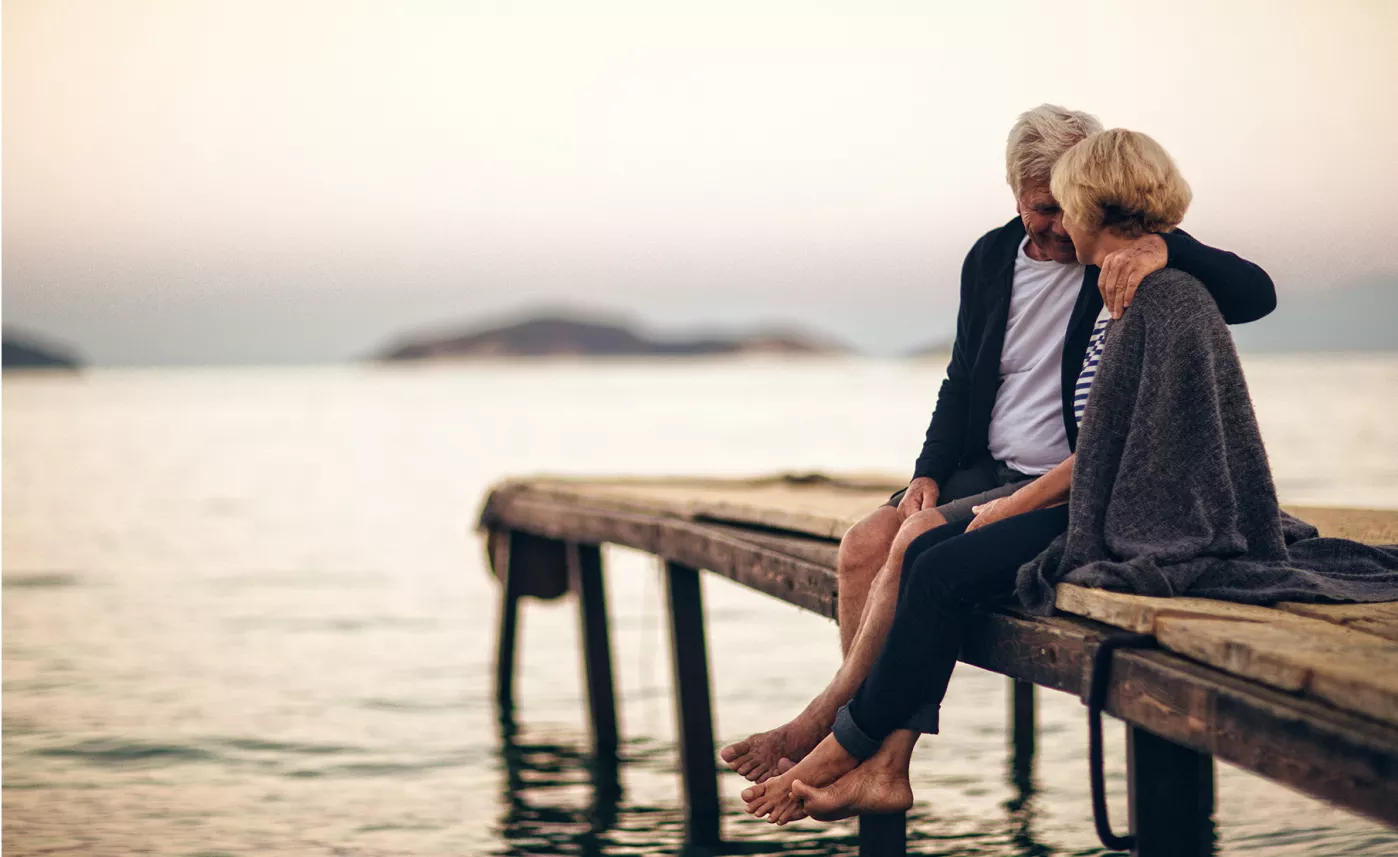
(1004, 415)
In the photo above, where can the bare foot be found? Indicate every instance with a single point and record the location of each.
(878, 787)
(759, 757)
(864, 791)
(774, 799)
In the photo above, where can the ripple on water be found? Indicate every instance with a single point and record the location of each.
(295, 580)
(233, 752)
(392, 767)
(110, 752)
(334, 624)
(259, 745)
(420, 706)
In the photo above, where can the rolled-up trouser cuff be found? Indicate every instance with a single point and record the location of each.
(927, 720)
(851, 737)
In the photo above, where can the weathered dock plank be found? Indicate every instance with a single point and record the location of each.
(816, 506)
(826, 507)
(1142, 614)
(778, 574)
(1307, 745)
(1371, 526)
(1378, 619)
(1348, 668)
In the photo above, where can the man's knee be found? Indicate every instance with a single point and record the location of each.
(866, 545)
(917, 524)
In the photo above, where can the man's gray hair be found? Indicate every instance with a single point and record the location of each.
(1039, 138)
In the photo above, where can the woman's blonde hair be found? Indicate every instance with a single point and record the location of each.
(1039, 138)
(1121, 180)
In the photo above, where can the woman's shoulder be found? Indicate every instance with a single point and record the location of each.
(1172, 290)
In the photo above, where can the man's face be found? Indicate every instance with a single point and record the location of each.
(1043, 220)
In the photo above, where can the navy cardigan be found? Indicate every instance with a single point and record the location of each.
(960, 428)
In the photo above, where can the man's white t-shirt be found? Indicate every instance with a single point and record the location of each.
(1026, 424)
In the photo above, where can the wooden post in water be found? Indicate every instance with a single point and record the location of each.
(585, 579)
(1171, 792)
(1022, 727)
(500, 558)
(883, 835)
(692, 707)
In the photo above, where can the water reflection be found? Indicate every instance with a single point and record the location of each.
(1021, 809)
(539, 778)
(559, 799)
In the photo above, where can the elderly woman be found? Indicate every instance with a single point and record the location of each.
(1171, 494)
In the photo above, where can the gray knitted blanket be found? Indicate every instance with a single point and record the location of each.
(1171, 493)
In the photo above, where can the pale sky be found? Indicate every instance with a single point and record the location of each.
(240, 181)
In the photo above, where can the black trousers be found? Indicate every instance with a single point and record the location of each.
(947, 572)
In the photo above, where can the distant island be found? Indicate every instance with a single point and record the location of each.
(25, 351)
(935, 348)
(557, 335)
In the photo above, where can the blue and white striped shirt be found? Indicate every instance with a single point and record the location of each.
(1089, 363)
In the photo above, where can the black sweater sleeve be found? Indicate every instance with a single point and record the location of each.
(1242, 290)
(941, 449)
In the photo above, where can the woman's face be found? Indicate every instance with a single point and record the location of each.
(1084, 242)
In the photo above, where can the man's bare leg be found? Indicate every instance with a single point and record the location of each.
(757, 758)
(863, 551)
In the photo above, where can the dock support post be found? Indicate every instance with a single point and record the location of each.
(883, 835)
(1022, 727)
(692, 706)
(1171, 792)
(585, 579)
(500, 559)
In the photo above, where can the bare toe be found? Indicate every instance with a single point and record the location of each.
(753, 793)
(733, 751)
(790, 810)
(765, 806)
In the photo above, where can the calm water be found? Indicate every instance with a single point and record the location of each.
(245, 612)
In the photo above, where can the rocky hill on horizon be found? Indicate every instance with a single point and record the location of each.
(23, 350)
(560, 335)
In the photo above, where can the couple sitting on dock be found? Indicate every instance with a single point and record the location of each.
(1155, 483)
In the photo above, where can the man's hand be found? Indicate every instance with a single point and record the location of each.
(1123, 270)
(921, 495)
(991, 511)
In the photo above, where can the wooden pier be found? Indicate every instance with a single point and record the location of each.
(1304, 695)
